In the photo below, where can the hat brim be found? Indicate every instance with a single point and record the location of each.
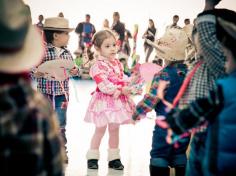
(167, 53)
(155, 46)
(27, 57)
(58, 29)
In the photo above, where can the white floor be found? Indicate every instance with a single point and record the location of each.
(135, 140)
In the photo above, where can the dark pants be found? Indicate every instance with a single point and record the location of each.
(164, 154)
(148, 51)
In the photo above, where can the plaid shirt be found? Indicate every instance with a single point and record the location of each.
(197, 112)
(29, 142)
(53, 87)
(150, 100)
(212, 67)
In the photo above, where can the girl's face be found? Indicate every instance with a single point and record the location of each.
(108, 48)
(150, 24)
(230, 64)
(116, 18)
(61, 39)
(106, 23)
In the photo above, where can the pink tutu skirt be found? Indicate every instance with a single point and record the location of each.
(104, 109)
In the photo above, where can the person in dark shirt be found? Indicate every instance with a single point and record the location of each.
(119, 28)
(149, 34)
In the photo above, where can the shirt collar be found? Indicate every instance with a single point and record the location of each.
(50, 46)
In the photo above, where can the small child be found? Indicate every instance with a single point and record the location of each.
(165, 86)
(218, 109)
(111, 104)
(56, 32)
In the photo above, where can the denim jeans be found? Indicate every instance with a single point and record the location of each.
(195, 164)
(164, 154)
(61, 112)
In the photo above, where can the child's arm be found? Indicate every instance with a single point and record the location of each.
(197, 112)
(100, 74)
(149, 101)
(210, 47)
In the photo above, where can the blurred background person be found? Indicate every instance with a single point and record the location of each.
(149, 34)
(29, 137)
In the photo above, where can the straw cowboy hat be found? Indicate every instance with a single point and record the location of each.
(21, 45)
(57, 24)
(171, 46)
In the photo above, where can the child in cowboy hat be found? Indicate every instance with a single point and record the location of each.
(29, 139)
(218, 108)
(56, 31)
(164, 88)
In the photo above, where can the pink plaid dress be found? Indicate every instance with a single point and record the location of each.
(104, 108)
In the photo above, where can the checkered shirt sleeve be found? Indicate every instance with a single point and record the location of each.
(197, 112)
(212, 67)
(150, 100)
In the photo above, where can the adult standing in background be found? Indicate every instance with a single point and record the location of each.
(119, 28)
(186, 21)
(149, 34)
(126, 49)
(175, 23)
(40, 22)
(188, 27)
(105, 24)
(85, 30)
(61, 14)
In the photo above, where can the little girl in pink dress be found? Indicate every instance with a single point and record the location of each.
(111, 104)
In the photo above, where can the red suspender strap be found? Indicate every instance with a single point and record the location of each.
(186, 83)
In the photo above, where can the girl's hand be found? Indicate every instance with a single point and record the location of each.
(134, 78)
(126, 90)
(116, 94)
